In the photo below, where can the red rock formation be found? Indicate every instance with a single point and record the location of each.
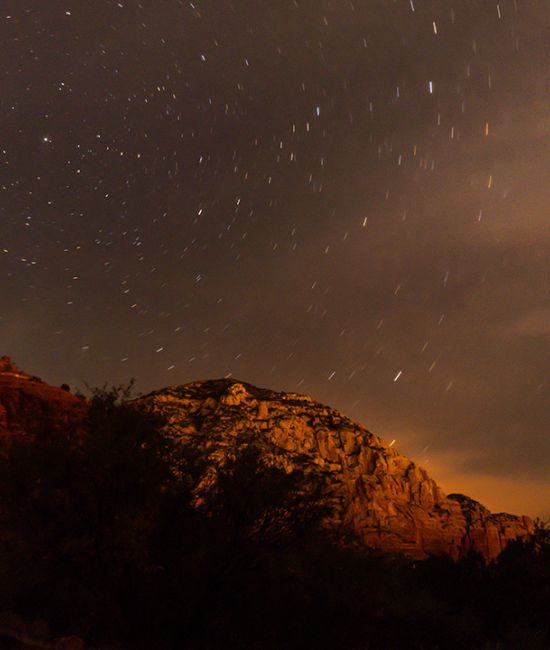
(386, 500)
(27, 405)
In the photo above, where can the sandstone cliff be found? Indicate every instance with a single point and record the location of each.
(385, 499)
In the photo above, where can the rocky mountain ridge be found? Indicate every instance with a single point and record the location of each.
(382, 497)
(386, 500)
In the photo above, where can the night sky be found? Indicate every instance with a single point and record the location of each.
(349, 199)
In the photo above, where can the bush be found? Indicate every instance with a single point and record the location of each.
(105, 537)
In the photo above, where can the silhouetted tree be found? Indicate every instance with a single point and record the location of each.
(115, 531)
(105, 534)
(81, 508)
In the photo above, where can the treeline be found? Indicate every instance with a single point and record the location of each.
(104, 535)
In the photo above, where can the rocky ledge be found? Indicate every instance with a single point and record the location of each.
(27, 403)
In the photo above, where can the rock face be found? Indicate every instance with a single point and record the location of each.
(27, 404)
(387, 501)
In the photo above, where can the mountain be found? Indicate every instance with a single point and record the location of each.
(384, 499)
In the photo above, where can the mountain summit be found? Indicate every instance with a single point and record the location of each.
(383, 498)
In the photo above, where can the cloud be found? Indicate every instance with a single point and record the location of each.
(535, 324)
(522, 495)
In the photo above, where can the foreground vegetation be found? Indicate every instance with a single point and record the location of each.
(104, 538)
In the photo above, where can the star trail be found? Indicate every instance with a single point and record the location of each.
(347, 199)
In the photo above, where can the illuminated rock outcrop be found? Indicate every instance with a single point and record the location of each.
(385, 499)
